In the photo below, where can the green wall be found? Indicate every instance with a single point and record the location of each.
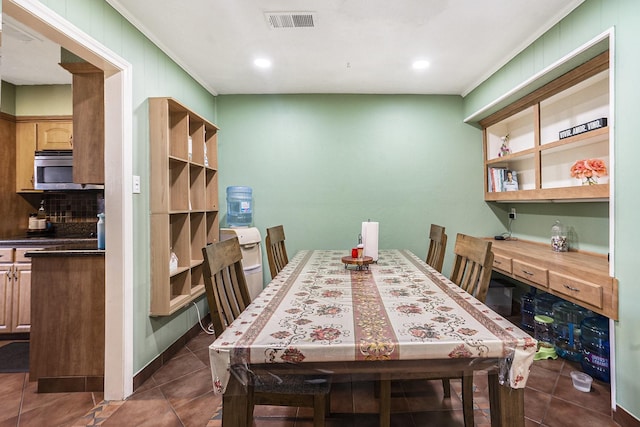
(154, 74)
(322, 164)
(588, 21)
(44, 100)
(8, 98)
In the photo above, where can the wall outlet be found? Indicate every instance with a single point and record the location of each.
(512, 214)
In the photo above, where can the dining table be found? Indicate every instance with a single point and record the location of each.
(399, 316)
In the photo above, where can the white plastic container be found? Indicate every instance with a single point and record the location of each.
(581, 381)
(249, 239)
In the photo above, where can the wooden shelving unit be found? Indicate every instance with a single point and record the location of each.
(184, 202)
(541, 160)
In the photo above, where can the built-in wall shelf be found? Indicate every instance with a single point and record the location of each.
(526, 138)
(184, 202)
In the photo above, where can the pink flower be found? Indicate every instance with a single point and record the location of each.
(588, 168)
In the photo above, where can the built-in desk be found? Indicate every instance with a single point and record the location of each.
(580, 277)
(67, 318)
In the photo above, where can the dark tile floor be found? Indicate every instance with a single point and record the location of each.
(180, 394)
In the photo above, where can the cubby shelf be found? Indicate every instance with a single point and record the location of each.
(184, 202)
(532, 126)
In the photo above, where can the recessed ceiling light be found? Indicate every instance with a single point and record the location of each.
(420, 64)
(262, 63)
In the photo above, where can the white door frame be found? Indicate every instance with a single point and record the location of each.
(118, 378)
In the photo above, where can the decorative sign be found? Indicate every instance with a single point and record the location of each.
(586, 127)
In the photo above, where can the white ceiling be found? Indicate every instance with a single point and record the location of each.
(355, 46)
(28, 58)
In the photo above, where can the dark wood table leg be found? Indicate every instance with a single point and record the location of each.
(507, 404)
(234, 404)
(385, 400)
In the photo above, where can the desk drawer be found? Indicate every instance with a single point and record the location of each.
(502, 263)
(530, 272)
(578, 290)
(6, 255)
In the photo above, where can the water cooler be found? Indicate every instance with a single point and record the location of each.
(249, 238)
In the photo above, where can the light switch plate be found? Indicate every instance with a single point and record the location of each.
(136, 184)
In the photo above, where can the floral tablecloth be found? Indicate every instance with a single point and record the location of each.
(317, 310)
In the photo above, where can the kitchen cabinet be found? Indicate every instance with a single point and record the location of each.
(54, 135)
(580, 277)
(6, 286)
(15, 290)
(67, 337)
(184, 202)
(38, 134)
(88, 122)
(528, 137)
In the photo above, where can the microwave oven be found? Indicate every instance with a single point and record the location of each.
(53, 170)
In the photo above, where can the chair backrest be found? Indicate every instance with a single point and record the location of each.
(437, 246)
(224, 281)
(472, 265)
(276, 250)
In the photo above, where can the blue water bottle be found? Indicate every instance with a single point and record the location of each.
(101, 231)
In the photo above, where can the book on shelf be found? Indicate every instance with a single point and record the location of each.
(502, 179)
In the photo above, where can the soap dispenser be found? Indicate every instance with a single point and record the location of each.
(101, 231)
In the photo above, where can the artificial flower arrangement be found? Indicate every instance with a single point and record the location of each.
(589, 170)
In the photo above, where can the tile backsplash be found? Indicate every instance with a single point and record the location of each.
(73, 207)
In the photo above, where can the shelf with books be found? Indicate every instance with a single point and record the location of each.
(541, 136)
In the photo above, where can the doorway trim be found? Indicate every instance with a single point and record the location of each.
(118, 379)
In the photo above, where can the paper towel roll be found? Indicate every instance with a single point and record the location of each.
(370, 239)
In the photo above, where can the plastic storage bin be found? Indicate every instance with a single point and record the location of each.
(567, 317)
(239, 206)
(543, 329)
(528, 311)
(595, 347)
(543, 304)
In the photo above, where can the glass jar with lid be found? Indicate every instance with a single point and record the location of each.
(559, 241)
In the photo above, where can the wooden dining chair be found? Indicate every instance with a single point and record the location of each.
(437, 247)
(472, 264)
(472, 272)
(276, 249)
(228, 296)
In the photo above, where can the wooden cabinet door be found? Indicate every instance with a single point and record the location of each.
(88, 128)
(54, 135)
(25, 149)
(6, 282)
(21, 296)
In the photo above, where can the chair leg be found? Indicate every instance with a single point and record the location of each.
(250, 405)
(327, 405)
(319, 408)
(385, 401)
(467, 399)
(446, 386)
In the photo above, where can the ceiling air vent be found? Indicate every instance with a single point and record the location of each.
(290, 19)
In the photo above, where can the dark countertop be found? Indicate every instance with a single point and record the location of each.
(69, 249)
(22, 241)
(55, 246)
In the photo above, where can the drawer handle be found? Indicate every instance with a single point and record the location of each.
(571, 288)
(528, 273)
(495, 261)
